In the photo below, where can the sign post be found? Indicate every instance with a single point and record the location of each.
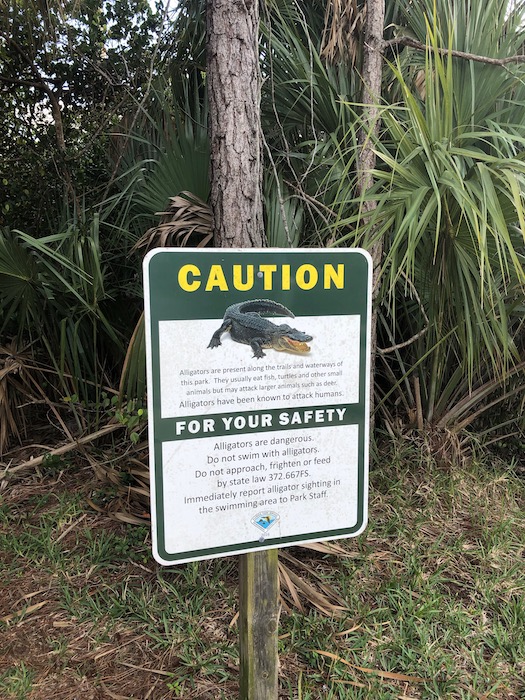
(258, 399)
(258, 623)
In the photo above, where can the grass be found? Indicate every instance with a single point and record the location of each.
(434, 590)
(17, 681)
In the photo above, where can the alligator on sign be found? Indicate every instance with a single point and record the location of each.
(246, 325)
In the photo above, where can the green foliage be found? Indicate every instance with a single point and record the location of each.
(284, 215)
(54, 293)
(16, 682)
(134, 416)
(449, 207)
(448, 184)
(306, 119)
(53, 464)
(68, 74)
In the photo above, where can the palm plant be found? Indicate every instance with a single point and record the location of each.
(163, 172)
(54, 294)
(450, 195)
(448, 186)
(165, 154)
(305, 112)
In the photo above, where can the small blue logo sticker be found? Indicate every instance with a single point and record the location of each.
(264, 521)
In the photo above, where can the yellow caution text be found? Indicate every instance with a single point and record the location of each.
(273, 276)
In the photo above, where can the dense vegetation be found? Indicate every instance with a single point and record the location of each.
(105, 126)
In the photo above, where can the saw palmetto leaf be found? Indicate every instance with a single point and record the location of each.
(186, 221)
(284, 214)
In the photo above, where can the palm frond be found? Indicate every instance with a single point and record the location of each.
(186, 221)
(284, 214)
(342, 32)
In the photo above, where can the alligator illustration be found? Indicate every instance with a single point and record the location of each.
(246, 325)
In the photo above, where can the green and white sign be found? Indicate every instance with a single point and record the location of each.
(258, 390)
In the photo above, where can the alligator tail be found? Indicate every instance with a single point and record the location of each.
(264, 306)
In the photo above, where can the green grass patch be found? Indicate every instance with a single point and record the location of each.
(16, 682)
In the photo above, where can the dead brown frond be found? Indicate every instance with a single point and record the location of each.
(343, 25)
(75, 444)
(130, 480)
(301, 584)
(420, 83)
(132, 374)
(329, 548)
(446, 448)
(373, 671)
(443, 446)
(187, 221)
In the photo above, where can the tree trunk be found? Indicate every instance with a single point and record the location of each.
(234, 94)
(366, 161)
(371, 96)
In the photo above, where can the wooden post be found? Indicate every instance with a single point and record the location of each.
(258, 621)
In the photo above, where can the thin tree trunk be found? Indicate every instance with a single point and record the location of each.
(366, 161)
(234, 94)
(40, 83)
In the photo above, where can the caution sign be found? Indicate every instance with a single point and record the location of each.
(258, 398)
